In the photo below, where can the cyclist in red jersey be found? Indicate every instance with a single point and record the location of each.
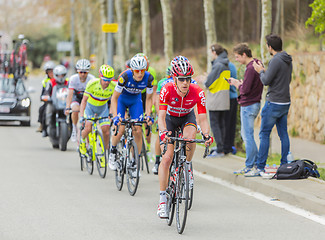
(176, 109)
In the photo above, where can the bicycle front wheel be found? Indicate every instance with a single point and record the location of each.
(170, 193)
(132, 168)
(120, 165)
(100, 153)
(182, 193)
(191, 191)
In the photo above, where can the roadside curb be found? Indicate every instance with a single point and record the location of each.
(308, 194)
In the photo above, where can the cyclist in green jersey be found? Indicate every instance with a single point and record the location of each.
(94, 102)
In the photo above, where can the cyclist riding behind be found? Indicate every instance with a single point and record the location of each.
(94, 104)
(77, 86)
(152, 71)
(48, 68)
(127, 94)
(176, 109)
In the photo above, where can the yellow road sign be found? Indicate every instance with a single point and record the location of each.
(110, 27)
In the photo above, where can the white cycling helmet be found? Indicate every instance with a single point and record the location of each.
(59, 73)
(83, 64)
(138, 62)
(49, 66)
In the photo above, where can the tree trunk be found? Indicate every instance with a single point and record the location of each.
(229, 13)
(242, 19)
(210, 29)
(276, 26)
(168, 30)
(258, 20)
(120, 34)
(128, 27)
(145, 19)
(102, 51)
(266, 28)
(282, 19)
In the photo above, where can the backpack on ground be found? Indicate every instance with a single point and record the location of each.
(297, 169)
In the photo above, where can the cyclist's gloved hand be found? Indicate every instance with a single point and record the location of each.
(81, 119)
(208, 139)
(163, 135)
(116, 120)
(149, 118)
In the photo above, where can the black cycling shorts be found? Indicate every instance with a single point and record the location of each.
(173, 123)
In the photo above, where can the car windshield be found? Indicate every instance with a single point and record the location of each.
(9, 85)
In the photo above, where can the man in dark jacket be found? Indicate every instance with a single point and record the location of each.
(218, 102)
(277, 104)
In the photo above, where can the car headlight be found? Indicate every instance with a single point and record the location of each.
(25, 102)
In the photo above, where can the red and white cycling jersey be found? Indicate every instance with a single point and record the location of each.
(178, 106)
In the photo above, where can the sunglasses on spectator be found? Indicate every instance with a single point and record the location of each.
(106, 79)
(139, 71)
(83, 72)
(182, 79)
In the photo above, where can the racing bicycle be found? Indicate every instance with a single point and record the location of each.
(96, 150)
(178, 182)
(127, 158)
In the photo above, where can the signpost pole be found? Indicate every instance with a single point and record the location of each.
(72, 38)
(110, 42)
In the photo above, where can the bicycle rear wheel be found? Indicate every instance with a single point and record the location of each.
(89, 161)
(100, 153)
(132, 168)
(120, 165)
(182, 193)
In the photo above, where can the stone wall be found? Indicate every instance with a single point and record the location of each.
(307, 112)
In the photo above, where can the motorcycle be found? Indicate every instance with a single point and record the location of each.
(59, 126)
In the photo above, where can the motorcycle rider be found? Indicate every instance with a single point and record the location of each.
(48, 68)
(59, 79)
(77, 86)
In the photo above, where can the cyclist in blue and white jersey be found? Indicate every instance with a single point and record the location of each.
(127, 94)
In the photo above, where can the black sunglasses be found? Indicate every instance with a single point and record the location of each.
(83, 72)
(182, 79)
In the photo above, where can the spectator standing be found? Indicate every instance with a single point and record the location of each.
(250, 92)
(218, 96)
(231, 115)
(277, 102)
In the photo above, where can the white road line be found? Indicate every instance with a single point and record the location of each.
(259, 196)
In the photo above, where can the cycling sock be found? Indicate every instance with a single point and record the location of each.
(82, 140)
(74, 127)
(163, 197)
(157, 159)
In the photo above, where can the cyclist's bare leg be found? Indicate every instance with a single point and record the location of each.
(86, 130)
(189, 132)
(105, 129)
(75, 114)
(116, 139)
(157, 146)
(164, 165)
(137, 133)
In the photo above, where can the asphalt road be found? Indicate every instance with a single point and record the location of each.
(44, 195)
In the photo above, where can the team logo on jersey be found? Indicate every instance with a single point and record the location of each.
(173, 102)
(121, 80)
(176, 99)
